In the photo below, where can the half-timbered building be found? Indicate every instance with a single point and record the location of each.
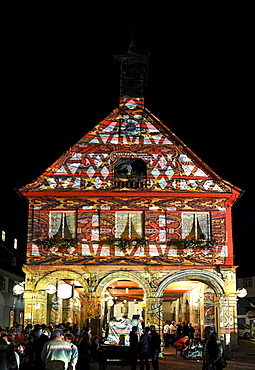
(129, 222)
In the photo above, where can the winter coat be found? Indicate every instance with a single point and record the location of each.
(144, 344)
(7, 357)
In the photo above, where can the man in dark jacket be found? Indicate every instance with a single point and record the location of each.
(154, 347)
(144, 347)
(133, 345)
(213, 351)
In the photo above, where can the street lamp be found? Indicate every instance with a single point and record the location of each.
(18, 289)
(241, 293)
(51, 289)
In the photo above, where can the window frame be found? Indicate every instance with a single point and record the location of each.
(118, 213)
(63, 212)
(208, 232)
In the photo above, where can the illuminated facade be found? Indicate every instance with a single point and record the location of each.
(130, 213)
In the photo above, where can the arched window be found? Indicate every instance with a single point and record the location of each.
(130, 173)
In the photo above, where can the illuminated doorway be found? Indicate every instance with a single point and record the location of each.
(123, 308)
(190, 301)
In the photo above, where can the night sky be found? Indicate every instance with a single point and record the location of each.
(59, 80)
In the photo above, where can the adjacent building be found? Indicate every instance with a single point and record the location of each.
(246, 307)
(13, 256)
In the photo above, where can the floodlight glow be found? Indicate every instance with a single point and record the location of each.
(65, 291)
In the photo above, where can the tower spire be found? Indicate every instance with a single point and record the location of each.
(133, 72)
(132, 47)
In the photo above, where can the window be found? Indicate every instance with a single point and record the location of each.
(196, 225)
(3, 235)
(129, 225)
(11, 285)
(130, 173)
(5, 283)
(15, 244)
(247, 282)
(63, 224)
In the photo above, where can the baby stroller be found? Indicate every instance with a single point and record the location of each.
(194, 351)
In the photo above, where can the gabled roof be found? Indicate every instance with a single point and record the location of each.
(130, 131)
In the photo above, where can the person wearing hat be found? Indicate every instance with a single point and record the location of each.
(58, 354)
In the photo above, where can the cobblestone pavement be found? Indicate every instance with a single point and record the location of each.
(244, 359)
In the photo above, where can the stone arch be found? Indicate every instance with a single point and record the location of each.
(50, 278)
(120, 275)
(211, 279)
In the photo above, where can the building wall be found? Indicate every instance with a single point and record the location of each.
(11, 305)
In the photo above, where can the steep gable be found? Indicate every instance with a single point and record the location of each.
(128, 133)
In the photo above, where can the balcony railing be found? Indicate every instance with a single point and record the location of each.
(130, 182)
(193, 243)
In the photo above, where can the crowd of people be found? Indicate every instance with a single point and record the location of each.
(65, 347)
(182, 337)
(176, 335)
(61, 347)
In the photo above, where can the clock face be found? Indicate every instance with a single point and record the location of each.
(130, 127)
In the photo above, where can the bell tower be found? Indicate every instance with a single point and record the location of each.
(133, 73)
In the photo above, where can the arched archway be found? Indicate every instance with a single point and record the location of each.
(211, 279)
(190, 290)
(51, 278)
(123, 295)
(45, 305)
(120, 275)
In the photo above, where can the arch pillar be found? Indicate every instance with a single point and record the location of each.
(154, 312)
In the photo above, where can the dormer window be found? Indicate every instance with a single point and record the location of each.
(130, 173)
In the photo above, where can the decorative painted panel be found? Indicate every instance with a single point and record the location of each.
(219, 226)
(88, 226)
(102, 253)
(129, 134)
(176, 203)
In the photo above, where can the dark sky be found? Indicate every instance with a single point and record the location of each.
(59, 80)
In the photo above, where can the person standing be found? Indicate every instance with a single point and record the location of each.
(166, 334)
(191, 332)
(84, 348)
(144, 347)
(185, 329)
(178, 331)
(24, 361)
(7, 354)
(213, 351)
(69, 337)
(154, 347)
(58, 354)
(172, 331)
(133, 345)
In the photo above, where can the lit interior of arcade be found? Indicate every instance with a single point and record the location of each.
(124, 304)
